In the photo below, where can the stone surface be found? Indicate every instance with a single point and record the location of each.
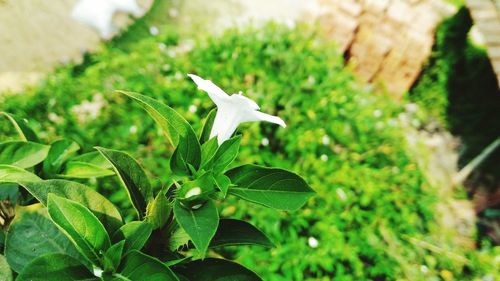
(386, 41)
(486, 16)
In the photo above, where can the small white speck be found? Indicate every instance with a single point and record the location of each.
(265, 141)
(313, 242)
(424, 269)
(196, 207)
(193, 192)
(341, 194)
(162, 46)
(411, 107)
(325, 140)
(133, 129)
(324, 157)
(153, 30)
(311, 80)
(290, 23)
(377, 113)
(192, 108)
(488, 277)
(98, 272)
(173, 12)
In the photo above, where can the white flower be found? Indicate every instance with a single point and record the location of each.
(313, 242)
(324, 157)
(265, 141)
(192, 108)
(325, 140)
(153, 30)
(232, 110)
(377, 113)
(133, 129)
(98, 14)
(341, 194)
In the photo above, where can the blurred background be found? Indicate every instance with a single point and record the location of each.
(392, 107)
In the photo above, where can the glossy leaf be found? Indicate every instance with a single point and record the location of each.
(80, 225)
(207, 126)
(172, 123)
(33, 234)
(22, 127)
(135, 233)
(9, 191)
(200, 224)
(158, 211)
(137, 266)
(83, 170)
(59, 152)
(95, 158)
(226, 154)
(55, 267)
(15, 174)
(5, 272)
(101, 207)
(186, 154)
(271, 187)
(22, 154)
(113, 256)
(208, 150)
(237, 232)
(222, 182)
(132, 177)
(178, 131)
(215, 269)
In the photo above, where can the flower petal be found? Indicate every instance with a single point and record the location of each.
(260, 116)
(225, 123)
(217, 95)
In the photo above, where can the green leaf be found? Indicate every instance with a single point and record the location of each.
(178, 131)
(5, 272)
(135, 233)
(172, 123)
(59, 152)
(55, 267)
(215, 269)
(83, 170)
(226, 154)
(81, 226)
(200, 224)
(95, 158)
(271, 187)
(223, 182)
(15, 174)
(22, 154)
(137, 266)
(188, 152)
(132, 177)
(158, 211)
(177, 239)
(21, 126)
(207, 126)
(113, 256)
(208, 150)
(102, 208)
(237, 232)
(9, 192)
(33, 234)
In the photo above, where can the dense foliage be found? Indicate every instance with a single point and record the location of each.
(459, 88)
(372, 202)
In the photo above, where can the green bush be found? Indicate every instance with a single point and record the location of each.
(459, 88)
(372, 200)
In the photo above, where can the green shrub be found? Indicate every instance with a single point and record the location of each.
(372, 200)
(459, 88)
